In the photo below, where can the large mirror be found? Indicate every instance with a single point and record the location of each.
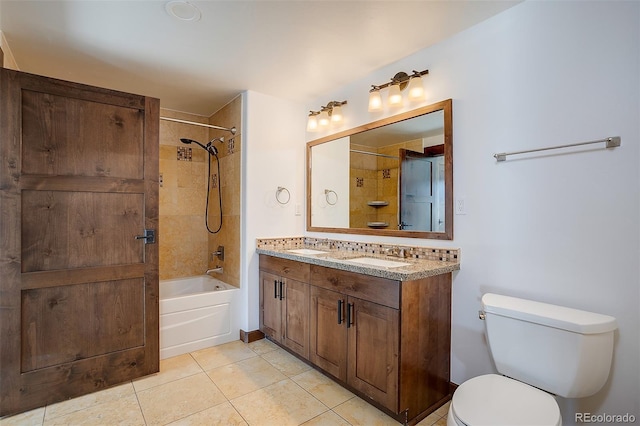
(392, 177)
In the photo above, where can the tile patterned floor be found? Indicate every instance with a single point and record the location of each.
(233, 384)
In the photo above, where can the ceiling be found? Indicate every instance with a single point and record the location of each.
(295, 50)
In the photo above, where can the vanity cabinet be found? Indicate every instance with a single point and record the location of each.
(284, 302)
(353, 339)
(386, 340)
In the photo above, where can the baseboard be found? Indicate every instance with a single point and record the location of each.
(251, 336)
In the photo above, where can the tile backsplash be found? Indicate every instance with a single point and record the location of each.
(375, 249)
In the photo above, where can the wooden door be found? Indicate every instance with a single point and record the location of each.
(328, 331)
(270, 306)
(416, 192)
(295, 311)
(373, 351)
(78, 291)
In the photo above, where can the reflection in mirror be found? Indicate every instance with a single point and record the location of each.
(390, 177)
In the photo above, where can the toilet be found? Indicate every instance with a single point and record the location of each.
(540, 350)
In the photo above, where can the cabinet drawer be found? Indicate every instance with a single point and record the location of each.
(285, 268)
(374, 289)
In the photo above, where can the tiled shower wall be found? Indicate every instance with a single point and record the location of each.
(185, 244)
(229, 154)
(376, 179)
(182, 236)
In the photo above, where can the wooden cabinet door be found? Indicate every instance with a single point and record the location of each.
(270, 306)
(328, 331)
(295, 311)
(373, 351)
(78, 291)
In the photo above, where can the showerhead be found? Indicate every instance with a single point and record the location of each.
(209, 147)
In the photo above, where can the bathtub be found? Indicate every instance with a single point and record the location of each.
(196, 313)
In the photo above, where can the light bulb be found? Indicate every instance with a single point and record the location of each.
(375, 100)
(323, 119)
(416, 91)
(395, 97)
(312, 123)
(336, 114)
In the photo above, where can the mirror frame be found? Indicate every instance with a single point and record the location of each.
(446, 107)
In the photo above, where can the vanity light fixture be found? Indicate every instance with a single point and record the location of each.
(398, 83)
(331, 113)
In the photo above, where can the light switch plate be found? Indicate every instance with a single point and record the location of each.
(460, 207)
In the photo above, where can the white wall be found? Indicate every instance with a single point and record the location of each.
(273, 155)
(559, 228)
(331, 210)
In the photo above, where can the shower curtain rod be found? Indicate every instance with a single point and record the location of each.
(374, 153)
(211, 126)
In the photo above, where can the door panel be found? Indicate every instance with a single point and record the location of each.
(270, 306)
(78, 291)
(65, 230)
(415, 184)
(373, 351)
(54, 145)
(328, 337)
(69, 323)
(296, 316)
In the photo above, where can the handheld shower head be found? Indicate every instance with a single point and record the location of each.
(209, 147)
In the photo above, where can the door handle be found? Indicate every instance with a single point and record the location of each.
(149, 236)
(275, 289)
(349, 315)
(340, 307)
(281, 286)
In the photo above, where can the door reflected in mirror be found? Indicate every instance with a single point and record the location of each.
(390, 177)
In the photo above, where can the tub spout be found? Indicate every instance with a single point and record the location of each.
(217, 270)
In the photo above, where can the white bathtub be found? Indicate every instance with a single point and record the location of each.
(196, 313)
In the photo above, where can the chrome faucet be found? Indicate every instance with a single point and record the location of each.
(323, 243)
(217, 270)
(397, 252)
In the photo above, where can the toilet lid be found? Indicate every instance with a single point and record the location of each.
(494, 400)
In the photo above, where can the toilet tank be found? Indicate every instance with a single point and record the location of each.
(564, 351)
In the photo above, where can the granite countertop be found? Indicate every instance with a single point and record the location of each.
(338, 259)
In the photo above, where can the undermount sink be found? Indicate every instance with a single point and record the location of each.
(381, 263)
(307, 251)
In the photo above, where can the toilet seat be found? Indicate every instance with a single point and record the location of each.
(494, 400)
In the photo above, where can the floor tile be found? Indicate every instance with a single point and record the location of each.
(123, 411)
(357, 412)
(257, 384)
(263, 346)
(87, 401)
(218, 356)
(30, 418)
(288, 364)
(430, 420)
(280, 404)
(245, 376)
(323, 388)
(171, 369)
(178, 399)
(221, 415)
(328, 418)
(443, 411)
